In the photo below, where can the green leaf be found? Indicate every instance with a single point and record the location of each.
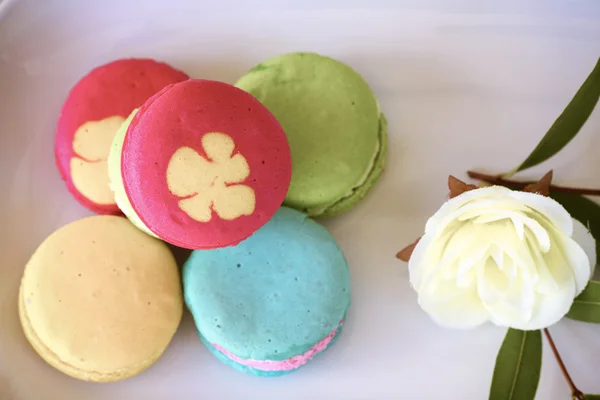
(583, 210)
(568, 123)
(518, 365)
(586, 306)
(591, 397)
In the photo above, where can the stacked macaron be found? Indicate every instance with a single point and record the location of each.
(201, 165)
(232, 172)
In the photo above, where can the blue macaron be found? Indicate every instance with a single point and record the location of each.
(273, 302)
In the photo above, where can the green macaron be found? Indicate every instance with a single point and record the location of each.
(336, 131)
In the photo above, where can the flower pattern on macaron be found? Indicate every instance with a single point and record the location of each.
(211, 183)
(88, 166)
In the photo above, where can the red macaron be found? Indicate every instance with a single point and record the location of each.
(90, 116)
(205, 164)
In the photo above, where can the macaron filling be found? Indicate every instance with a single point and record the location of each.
(283, 365)
(116, 177)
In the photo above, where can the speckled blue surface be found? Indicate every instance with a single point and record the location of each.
(274, 295)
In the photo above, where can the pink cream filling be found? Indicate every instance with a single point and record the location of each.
(283, 365)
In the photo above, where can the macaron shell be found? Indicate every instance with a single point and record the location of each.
(54, 360)
(273, 296)
(108, 92)
(359, 192)
(331, 119)
(221, 172)
(100, 300)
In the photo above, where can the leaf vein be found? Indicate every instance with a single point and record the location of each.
(521, 351)
(597, 303)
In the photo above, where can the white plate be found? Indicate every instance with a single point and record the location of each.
(464, 85)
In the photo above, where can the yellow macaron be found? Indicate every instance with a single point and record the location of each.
(100, 300)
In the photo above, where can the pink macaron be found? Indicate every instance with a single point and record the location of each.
(204, 165)
(93, 111)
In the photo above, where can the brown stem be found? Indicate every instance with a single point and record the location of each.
(497, 180)
(575, 393)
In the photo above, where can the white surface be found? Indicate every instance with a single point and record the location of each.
(465, 84)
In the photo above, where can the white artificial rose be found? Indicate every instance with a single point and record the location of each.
(509, 257)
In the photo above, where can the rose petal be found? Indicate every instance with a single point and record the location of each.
(468, 260)
(521, 294)
(558, 266)
(509, 267)
(516, 306)
(548, 207)
(519, 226)
(439, 261)
(497, 254)
(488, 210)
(492, 283)
(504, 237)
(546, 283)
(577, 259)
(444, 215)
(465, 240)
(548, 309)
(464, 311)
(583, 236)
(425, 262)
(538, 230)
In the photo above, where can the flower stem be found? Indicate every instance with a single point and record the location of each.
(576, 394)
(498, 180)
